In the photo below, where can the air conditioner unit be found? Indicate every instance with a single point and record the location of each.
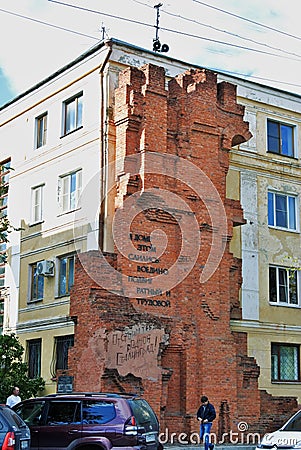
(46, 268)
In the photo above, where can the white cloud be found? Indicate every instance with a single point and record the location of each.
(33, 50)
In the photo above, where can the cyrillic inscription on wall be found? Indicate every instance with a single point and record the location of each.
(135, 350)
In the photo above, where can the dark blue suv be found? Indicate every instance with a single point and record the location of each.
(14, 433)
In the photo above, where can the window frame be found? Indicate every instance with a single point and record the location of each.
(284, 286)
(67, 342)
(279, 137)
(5, 168)
(70, 266)
(37, 217)
(34, 285)
(278, 359)
(34, 370)
(41, 125)
(68, 197)
(73, 105)
(272, 211)
(4, 184)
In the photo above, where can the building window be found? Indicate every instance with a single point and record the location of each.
(283, 286)
(72, 113)
(4, 183)
(34, 357)
(4, 179)
(37, 284)
(66, 274)
(37, 204)
(285, 364)
(62, 345)
(280, 138)
(70, 188)
(282, 211)
(41, 130)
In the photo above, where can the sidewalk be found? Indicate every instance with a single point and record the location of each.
(216, 447)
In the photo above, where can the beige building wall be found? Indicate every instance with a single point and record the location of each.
(253, 172)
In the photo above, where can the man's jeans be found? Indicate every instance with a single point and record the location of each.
(204, 433)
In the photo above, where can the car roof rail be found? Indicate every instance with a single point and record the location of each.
(90, 394)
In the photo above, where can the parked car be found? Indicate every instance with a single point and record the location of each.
(287, 437)
(89, 421)
(14, 433)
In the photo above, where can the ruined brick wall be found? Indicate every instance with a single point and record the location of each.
(155, 317)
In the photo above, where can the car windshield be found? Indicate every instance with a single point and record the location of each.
(294, 424)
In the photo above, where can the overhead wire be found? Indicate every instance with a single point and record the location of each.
(248, 20)
(47, 23)
(220, 30)
(168, 30)
(215, 41)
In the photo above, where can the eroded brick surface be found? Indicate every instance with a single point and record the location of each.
(133, 334)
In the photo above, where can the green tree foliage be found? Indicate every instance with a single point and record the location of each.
(14, 372)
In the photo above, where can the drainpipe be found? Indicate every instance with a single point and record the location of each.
(103, 145)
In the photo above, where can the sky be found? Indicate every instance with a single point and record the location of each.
(254, 39)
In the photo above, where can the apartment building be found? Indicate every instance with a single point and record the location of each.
(265, 174)
(59, 139)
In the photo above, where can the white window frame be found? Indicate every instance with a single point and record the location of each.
(274, 212)
(73, 104)
(41, 123)
(33, 283)
(68, 195)
(37, 198)
(286, 287)
(59, 260)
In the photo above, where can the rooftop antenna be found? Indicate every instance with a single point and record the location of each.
(157, 47)
(103, 31)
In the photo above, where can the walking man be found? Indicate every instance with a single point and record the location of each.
(206, 414)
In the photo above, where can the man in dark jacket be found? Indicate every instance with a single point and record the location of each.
(206, 414)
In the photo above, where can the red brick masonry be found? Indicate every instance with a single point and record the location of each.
(146, 323)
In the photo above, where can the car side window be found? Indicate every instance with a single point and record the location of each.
(63, 413)
(294, 424)
(98, 411)
(31, 413)
(144, 415)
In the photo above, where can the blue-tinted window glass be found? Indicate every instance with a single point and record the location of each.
(71, 273)
(63, 276)
(79, 111)
(273, 137)
(70, 116)
(292, 213)
(37, 288)
(66, 277)
(98, 412)
(287, 147)
(281, 211)
(271, 209)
